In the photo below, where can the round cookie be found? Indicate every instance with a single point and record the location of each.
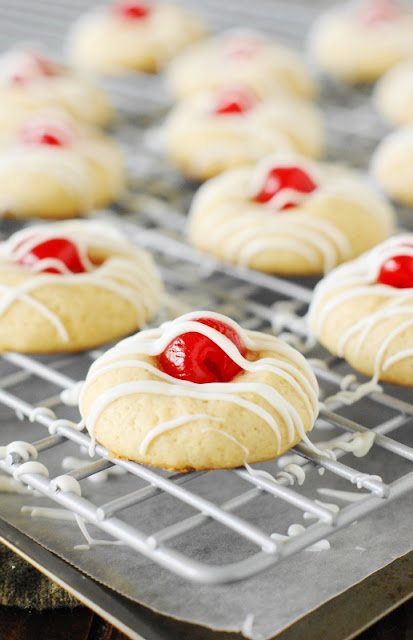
(240, 57)
(199, 393)
(363, 311)
(356, 42)
(210, 133)
(391, 166)
(288, 215)
(56, 168)
(71, 286)
(30, 82)
(393, 94)
(131, 36)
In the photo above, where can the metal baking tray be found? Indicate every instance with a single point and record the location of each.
(154, 216)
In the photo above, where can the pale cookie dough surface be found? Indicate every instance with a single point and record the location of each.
(353, 52)
(369, 324)
(240, 57)
(393, 94)
(48, 312)
(202, 144)
(140, 413)
(48, 181)
(76, 94)
(392, 166)
(103, 43)
(339, 220)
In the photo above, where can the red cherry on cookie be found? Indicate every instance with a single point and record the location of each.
(58, 248)
(397, 272)
(233, 101)
(240, 47)
(44, 67)
(41, 132)
(32, 65)
(379, 11)
(281, 178)
(194, 357)
(130, 10)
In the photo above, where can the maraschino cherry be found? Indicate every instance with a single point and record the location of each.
(51, 133)
(130, 10)
(33, 65)
(397, 271)
(233, 101)
(194, 357)
(287, 177)
(61, 249)
(379, 11)
(240, 47)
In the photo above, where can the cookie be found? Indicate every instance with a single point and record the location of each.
(30, 82)
(356, 42)
(70, 286)
(392, 166)
(288, 215)
(240, 57)
(210, 133)
(56, 168)
(363, 311)
(199, 393)
(131, 36)
(393, 95)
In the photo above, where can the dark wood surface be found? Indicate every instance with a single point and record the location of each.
(80, 623)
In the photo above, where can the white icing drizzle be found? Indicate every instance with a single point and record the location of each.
(131, 276)
(70, 397)
(31, 467)
(360, 479)
(295, 472)
(297, 529)
(357, 279)
(334, 508)
(92, 541)
(52, 513)
(23, 449)
(10, 485)
(62, 422)
(66, 483)
(153, 341)
(40, 411)
(348, 496)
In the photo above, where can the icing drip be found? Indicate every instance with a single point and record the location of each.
(348, 496)
(66, 483)
(70, 397)
(48, 512)
(131, 276)
(293, 369)
(358, 279)
(24, 450)
(92, 541)
(31, 467)
(334, 508)
(10, 485)
(297, 529)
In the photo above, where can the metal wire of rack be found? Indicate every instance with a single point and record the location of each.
(247, 296)
(154, 544)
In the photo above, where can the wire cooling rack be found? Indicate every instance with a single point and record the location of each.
(242, 516)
